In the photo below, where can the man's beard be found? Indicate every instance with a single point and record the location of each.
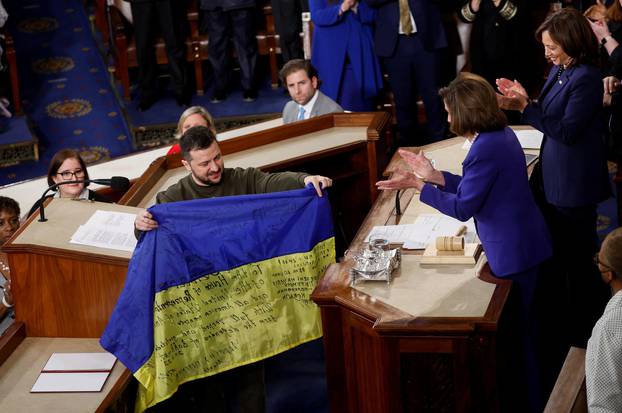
(207, 180)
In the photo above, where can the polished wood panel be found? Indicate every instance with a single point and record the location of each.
(66, 297)
(569, 395)
(62, 289)
(11, 338)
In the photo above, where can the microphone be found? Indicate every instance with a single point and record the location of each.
(117, 183)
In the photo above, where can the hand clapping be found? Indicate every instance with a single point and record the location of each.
(513, 95)
(401, 179)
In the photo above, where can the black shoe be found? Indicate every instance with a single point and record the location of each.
(146, 102)
(183, 99)
(219, 96)
(250, 95)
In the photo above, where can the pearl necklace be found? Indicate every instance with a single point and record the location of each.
(560, 71)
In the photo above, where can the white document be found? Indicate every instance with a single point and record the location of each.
(395, 234)
(429, 226)
(529, 138)
(80, 362)
(69, 382)
(107, 229)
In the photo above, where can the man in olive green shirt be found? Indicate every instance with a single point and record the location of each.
(209, 178)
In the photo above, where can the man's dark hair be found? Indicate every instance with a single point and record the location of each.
(9, 205)
(196, 138)
(295, 65)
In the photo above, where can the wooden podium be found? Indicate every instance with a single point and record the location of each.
(349, 148)
(62, 289)
(425, 343)
(64, 294)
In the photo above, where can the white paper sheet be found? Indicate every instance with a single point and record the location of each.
(69, 382)
(80, 361)
(529, 138)
(429, 226)
(107, 229)
(395, 234)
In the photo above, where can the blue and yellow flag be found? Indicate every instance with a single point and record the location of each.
(221, 283)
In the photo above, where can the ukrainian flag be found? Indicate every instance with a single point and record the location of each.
(222, 282)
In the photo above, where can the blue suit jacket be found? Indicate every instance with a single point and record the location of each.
(574, 167)
(336, 37)
(494, 190)
(427, 18)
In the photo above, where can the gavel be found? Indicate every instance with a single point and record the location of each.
(453, 243)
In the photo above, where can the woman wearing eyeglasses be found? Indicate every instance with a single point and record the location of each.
(67, 165)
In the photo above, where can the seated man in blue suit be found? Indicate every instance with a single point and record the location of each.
(303, 85)
(409, 35)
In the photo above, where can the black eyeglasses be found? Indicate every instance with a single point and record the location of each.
(67, 175)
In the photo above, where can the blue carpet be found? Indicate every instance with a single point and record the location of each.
(64, 85)
(16, 131)
(165, 110)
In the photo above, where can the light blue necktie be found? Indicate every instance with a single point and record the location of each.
(301, 113)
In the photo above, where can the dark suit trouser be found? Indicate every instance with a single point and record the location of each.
(240, 22)
(168, 16)
(288, 24)
(241, 389)
(414, 71)
(575, 285)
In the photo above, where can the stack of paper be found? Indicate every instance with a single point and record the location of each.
(423, 231)
(429, 226)
(74, 372)
(107, 229)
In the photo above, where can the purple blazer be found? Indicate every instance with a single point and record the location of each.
(573, 159)
(494, 190)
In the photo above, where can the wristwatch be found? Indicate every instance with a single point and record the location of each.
(605, 39)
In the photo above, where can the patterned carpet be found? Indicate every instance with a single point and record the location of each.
(67, 96)
(69, 101)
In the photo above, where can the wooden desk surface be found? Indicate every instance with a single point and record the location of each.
(20, 371)
(64, 217)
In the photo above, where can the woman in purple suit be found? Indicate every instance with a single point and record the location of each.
(343, 52)
(494, 190)
(571, 177)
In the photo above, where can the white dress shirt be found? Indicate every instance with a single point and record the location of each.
(603, 360)
(309, 106)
